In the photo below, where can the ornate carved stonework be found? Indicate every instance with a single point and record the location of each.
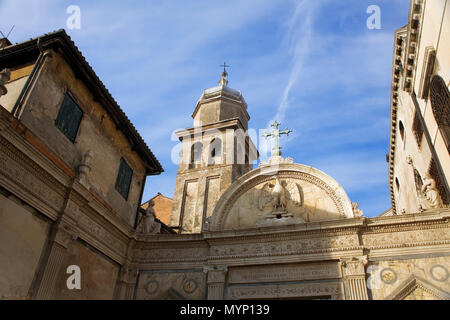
(285, 272)
(25, 173)
(407, 238)
(174, 284)
(155, 254)
(429, 194)
(287, 247)
(306, 193)
(354, 266)
(318, 290)
(64, 235)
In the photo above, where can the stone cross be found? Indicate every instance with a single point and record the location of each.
(275, 134)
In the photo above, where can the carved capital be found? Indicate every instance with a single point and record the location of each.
(354, 266)
(129, 273)
(216, 274)
(64, 235)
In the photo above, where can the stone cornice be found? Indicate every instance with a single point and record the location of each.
(210, 127)
(406, 44)
(395, 84)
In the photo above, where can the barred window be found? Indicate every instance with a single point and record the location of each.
(69, 118)
(440, 103)
(123, 181)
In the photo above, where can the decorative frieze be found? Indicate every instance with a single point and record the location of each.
(403, 238)
(285, 272)
(158, 254)
(101, 233)
(27, 175)
(317, 290)
(297, 246)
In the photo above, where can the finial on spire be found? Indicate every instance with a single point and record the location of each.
(223, 80)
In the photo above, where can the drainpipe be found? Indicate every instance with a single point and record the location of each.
(20, 100)
(430, 144)
(139, 204)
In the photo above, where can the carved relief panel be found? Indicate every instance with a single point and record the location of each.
(171, 285)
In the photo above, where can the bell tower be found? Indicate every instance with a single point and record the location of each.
(214, 153)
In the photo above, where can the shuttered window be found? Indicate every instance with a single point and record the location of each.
(69, 118)
(124, 179)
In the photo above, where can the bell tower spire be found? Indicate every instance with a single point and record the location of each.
(214, 153)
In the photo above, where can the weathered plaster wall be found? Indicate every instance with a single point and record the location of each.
(97, 132)
(98, 275)
(23, 236)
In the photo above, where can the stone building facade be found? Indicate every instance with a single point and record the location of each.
(420, 120)
(280, 231)
(72, 174)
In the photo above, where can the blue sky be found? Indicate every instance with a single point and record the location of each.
(313, 65)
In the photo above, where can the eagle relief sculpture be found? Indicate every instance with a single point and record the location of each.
(279, 197)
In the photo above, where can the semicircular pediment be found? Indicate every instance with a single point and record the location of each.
(290, 193)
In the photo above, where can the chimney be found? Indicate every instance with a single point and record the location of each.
(4, 42)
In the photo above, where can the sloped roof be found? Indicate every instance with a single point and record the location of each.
(59, 41)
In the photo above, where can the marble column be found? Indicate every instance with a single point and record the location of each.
(355, 278)
(127, 283)
(60, 241)
(216, 282)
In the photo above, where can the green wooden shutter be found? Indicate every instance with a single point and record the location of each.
(123, 181)
(69, 118)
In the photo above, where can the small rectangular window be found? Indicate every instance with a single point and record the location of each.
(123, 181)
(69, 118)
